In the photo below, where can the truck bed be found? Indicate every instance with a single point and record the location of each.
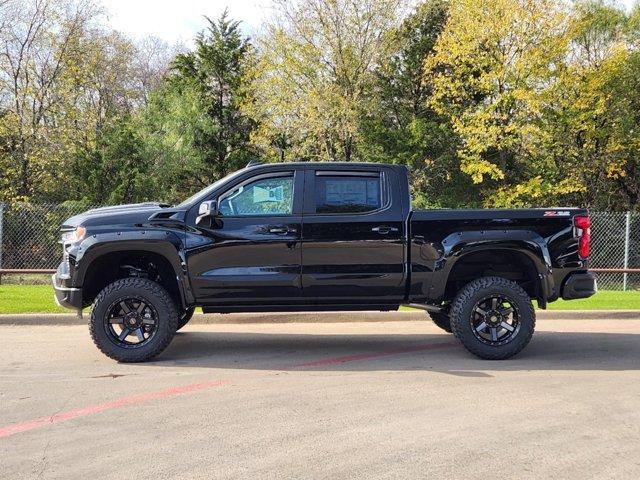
(542, 237)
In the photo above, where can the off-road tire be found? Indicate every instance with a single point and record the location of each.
(463, 306)
(441, 320)
(155, 295)
(186, 316)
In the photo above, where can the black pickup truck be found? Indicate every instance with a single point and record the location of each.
(318, 236)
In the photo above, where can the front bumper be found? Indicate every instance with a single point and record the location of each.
(67, 297)
(580, 285)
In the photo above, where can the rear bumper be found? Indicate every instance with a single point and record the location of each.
(67, 297)
(580, 285)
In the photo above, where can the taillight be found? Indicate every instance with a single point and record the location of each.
(583, 232)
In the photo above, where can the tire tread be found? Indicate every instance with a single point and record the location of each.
(457, 321)
(135, 356)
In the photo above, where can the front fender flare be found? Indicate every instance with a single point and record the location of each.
(161, 242)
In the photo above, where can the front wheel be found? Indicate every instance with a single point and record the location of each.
(133, 320)
(493, 318)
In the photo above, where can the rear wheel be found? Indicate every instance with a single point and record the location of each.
(441, 320)
(186, 316)
(493, 318)
(133, 320)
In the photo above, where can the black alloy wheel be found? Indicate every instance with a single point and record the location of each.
(495, 320)
(131, 322)
(133, 319)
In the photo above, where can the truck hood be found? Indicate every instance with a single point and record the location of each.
(129, 214)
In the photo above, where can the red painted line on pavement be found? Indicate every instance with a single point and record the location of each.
(372, 355)
(122, 402)
(194, 387)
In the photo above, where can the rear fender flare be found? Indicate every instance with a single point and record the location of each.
(459, 245)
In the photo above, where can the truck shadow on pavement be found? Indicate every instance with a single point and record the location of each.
(396, 352)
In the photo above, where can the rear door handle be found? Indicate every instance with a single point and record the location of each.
(384, 229)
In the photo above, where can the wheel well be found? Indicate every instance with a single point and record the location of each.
(138, 263)
(514, 266)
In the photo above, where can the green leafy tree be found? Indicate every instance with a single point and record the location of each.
(590, 139)
(116, 169)
(192, 128)
(103, 154)
(215, 71)
(171, 127)
(314, 76)
(493, 66)
(36, 42)
(68, 91)
(400, 126)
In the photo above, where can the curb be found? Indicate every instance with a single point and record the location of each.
(314, 317)
(588, 314)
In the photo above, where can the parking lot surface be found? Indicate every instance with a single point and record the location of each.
(337, 400)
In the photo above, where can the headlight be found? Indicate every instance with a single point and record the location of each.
(74, 236)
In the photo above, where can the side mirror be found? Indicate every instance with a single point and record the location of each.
(206, 210)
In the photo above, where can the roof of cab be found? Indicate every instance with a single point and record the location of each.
(323, 165)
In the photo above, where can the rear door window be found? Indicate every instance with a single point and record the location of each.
(348, 193)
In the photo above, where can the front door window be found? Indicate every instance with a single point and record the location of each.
(265, 196)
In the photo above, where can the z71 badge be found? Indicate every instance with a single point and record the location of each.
(557, 213)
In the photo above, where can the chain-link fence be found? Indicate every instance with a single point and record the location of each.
(29, 235)
(29, 240)
(615, 244)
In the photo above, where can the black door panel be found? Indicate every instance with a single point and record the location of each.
(356, 257)
(248, 261)
(249, 256)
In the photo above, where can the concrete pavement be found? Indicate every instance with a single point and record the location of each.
(314, 400)
(312, 317)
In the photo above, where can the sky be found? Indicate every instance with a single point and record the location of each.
(177, 21)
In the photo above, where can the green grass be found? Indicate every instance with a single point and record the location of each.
(603, 300)
(28, 299)
(39, 299)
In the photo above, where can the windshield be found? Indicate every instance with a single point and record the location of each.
(207, 190)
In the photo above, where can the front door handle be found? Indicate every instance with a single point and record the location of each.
(280, 230)
(384, 229)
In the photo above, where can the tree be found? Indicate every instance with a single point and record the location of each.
(35, 40)
(171, 128)
(314, 75)
(399, 126)
(493, 65)
(591, 118)
(66, 83)
(215, 72)
(99, 90)
(151, 64)
(192, 128)
(489, 102)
